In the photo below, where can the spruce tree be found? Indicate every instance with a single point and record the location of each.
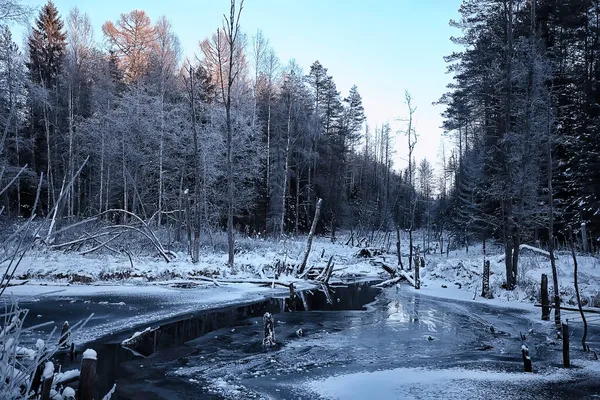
(47, 44)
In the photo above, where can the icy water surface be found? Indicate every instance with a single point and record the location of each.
(356, 343)
(402, 345)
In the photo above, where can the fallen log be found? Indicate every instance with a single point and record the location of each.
(390, 282)
(389, 270)
(406, 276)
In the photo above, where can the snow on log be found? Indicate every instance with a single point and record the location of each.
(389, 282)
(405, 275)
(534, 249)
(90, 354)
(108, 395)
(66, 376)
(530, 248)
(135, 337)
(48, 370)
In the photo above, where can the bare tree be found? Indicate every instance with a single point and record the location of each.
(412, 137)
(259, 49)
(14, 11)
(231, 29)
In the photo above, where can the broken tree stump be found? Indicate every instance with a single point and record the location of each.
(485, 285)
(37, 379)
(47, 379)
(65, 335)
(565, 338)
(527, 366)
(269, 325)
(545, 299)
(88, 375)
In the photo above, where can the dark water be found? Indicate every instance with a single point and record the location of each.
(401, 329)
(142, 371)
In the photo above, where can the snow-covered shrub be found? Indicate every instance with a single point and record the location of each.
(526, 276)
(18, 363)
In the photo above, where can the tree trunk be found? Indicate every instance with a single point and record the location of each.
(297, 216)
(313, 228)
(545, 299)
(576, 284)
(399, 246)
(70, 194)
(268, 166)
(101, 170)
(285, 170)
(160, 161)
(410, 251)
(508, 263)
(485, 286)
(551, 224)
(515, 260)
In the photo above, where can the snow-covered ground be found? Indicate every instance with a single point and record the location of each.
(457, 275)
(256, 260)
(463, 270)
(190, 286)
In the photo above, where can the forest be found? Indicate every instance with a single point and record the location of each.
(227, 224)
(237, 140)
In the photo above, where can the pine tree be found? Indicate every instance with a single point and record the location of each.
(47, 46)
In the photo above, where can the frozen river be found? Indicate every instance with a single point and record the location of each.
(391, 344)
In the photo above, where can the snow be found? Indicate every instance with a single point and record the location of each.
(108, 395)
(90, 354)
(66, 376)
(48, 370)
(25, 352)
(534, 249)
(68, 392)
(127, 342)
(421, 383)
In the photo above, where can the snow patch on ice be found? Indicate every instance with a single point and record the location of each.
(420, 383)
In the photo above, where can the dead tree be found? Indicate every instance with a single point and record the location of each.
(575, 283)
(399, 247)
(412, 141)
(549, 123)
(231, 28)
(527, 367)
(545, 299)
(269, 325)
(419, 262)
(313, 228)
(485, 286)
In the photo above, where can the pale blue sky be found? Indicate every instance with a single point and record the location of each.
(382, 46)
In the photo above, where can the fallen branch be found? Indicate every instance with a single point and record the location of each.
(63, 191)
(390, 282)
(150, 236)
(101, 245)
